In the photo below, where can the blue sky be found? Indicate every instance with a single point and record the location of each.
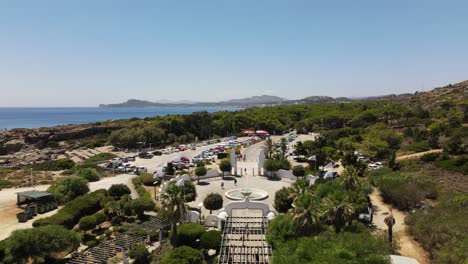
(82, 53)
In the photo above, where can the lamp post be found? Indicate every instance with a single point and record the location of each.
(200, 206)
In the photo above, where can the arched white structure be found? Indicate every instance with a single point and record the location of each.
(225, 212)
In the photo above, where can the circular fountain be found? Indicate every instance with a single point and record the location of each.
(243, 193)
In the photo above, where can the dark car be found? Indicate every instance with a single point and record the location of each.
(145, 155)
(157, 153)
(180, 166)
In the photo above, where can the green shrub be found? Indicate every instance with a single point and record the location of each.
(280, 230)
(87, 223)
(460, 164)
(405, 190)
(299, 171)
(100, 218)
(330, 247)
(34, 245)
(54, 165)
(139, 254)
(68, 188)
(5, 184)
(429, 157)
(69, 215)
(89, 174)
(142, 204)
(187, 234)
(211, 240)
(282, 202)
(147, 179)
(183, 255)
(118, 190)
(442, 230)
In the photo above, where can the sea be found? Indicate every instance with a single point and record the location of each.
(36, 117)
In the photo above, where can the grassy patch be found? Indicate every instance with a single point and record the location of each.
(101, 157)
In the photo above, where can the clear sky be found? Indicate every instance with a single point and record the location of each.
(82, 53)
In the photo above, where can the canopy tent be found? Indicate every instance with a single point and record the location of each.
(44, 200)
(249, 132)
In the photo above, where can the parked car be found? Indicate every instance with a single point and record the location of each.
(180, 166)
(157, 153)
(132, 158)
(145, 155)
(141, 169)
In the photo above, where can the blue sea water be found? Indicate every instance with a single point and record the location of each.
(46, 117)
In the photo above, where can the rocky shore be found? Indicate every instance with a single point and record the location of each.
(22, 147)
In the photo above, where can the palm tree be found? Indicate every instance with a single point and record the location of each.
(174, 208)
(283, 146)
(340, 210)
(299, 187)
(268, 147)
(306, 213)
(349, 179)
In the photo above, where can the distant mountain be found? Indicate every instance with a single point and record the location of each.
(244, 102)
(165, 101)
(261, 99)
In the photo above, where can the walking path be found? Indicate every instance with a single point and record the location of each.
(417, 155)
(408, 246)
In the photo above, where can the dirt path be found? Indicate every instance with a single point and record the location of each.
(417, 155)
(408, 246)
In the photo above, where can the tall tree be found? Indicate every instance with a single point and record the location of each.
(174, 208)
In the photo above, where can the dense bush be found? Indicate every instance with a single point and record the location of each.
(330, 247)
(459, 164)
(139, 254)
(211, 240)
(68, 188)
(54, 165)
(213, 201)
(87, 223)
(187, 234)
(442, 230)
(142, 204)
(147, 179)
(283, 201)
(37, 245)
(405, 190)
(118, 190)
(69, 215)
(280, 230)
(140, 189)
(299, 171)
(429, 157)
(89, 174)
(183, 255)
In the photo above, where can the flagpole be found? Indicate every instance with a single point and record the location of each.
(315, 169)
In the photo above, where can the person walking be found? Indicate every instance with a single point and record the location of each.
(235, 182)
(390, 222)
(222, 185)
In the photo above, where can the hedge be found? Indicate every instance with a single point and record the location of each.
(54, 165)
(187, 234)
(70, 214)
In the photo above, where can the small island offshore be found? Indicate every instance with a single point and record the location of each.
(328, 174)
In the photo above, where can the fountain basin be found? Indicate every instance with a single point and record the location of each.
(243, 193)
